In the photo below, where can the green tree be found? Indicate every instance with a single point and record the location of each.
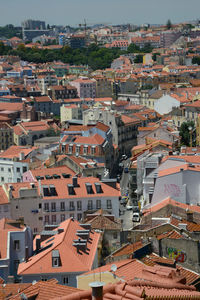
(196, 60)
(154, 56)
(132, 48)
(138, 59)
(186, 132)
(169, 24)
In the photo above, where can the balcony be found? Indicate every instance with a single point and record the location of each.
(72, 208)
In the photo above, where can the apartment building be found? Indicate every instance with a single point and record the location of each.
(86, 88)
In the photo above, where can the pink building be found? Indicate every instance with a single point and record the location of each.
(86, 88)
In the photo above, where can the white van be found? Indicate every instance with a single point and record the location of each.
(136, 217)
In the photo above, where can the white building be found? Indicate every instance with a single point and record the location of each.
(174, 178)
(11, 169)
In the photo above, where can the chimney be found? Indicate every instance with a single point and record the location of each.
(10, 279)
(26, 254)
(75, 181)
(38, 245)
(86, 226)
(97, 290)
(189, 216)
(21, 156)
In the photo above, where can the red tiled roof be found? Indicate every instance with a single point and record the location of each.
(177, 169)
(140, 289)
(128, 249)
(90, 140)
(9, 289)
(14, 151)
(43, 290)
(170, 201)
(73, 262)
(51, 171)
(153, 259)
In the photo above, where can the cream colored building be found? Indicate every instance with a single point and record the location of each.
(70, 112)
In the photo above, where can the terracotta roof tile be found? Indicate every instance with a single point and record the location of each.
(73, 262)
(43, 290)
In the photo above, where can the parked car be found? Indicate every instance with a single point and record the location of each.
(124, 200)
(124, 157)
(136, 209)
(118, 178)
(136, 217)
(129, 207)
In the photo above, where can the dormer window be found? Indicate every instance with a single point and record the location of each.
(89, 188)
(71, 189)
(56, 259)
(98, 188)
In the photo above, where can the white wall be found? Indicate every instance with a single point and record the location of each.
(165, 104)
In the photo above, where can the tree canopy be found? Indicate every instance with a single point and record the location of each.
(185, 133)
(169, 24)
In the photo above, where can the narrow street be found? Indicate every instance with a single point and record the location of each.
(126, 215)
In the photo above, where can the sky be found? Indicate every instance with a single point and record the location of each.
(73, 12)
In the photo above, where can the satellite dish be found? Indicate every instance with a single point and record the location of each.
(113, 268)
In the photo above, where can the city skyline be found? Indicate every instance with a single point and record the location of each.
(65, 12)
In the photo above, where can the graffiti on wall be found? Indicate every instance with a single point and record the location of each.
(172, 189)
(177, 255)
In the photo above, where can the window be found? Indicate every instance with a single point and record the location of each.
(90, 204)
(62, 205)
(89, 188)
(98, 204)
(18, 170)
(46, 220)
(71, 215)
(52, 190)
(40, 205)
(9, 170)
(44, 279)
(115, 235)
(16, 245)
(85, 150)
(53, 206)
(5, 208)
(53, 219)
(70, 149)
(24, 169)
(2, 169)
(55, 262)
(18, 180)
(35, 229)
(2, 179)
(77, 150)
(109, 204)
(62, 217)
(79, 205)
(93, 150)
(46, 206)
(65, 280)
(79, 217)
(71, 205)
